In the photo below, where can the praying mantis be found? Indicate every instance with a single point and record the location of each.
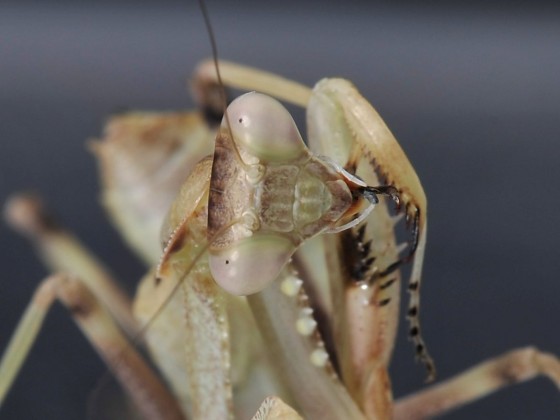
(426, 306)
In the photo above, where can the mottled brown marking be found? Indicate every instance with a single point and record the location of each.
(79, 310)
(352, 257)
(178, 241)
(26, 213)
(384, 302)
(351, 166)
(360, 234)
(366, 248)
(387, 283)
(222, 199)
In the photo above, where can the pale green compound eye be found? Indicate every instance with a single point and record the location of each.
(251, 264)
(263, 128)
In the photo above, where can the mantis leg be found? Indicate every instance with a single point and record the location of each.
(61, 251)
(206, 88)
(344, 126)
(490, 376)
(141, 384)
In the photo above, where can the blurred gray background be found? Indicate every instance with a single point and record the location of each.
(471, 90)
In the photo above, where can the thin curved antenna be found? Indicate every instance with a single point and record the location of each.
(142, 331)
(223, 95)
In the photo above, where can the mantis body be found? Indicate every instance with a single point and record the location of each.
(352, 318)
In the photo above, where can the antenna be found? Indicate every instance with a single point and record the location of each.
(223, 95)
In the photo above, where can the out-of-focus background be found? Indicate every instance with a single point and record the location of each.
(471, 90)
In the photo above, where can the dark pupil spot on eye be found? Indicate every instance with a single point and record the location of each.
(240, 120)
(227, 261)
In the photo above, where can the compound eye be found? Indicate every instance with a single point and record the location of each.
(250, 264)
(264, 128)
